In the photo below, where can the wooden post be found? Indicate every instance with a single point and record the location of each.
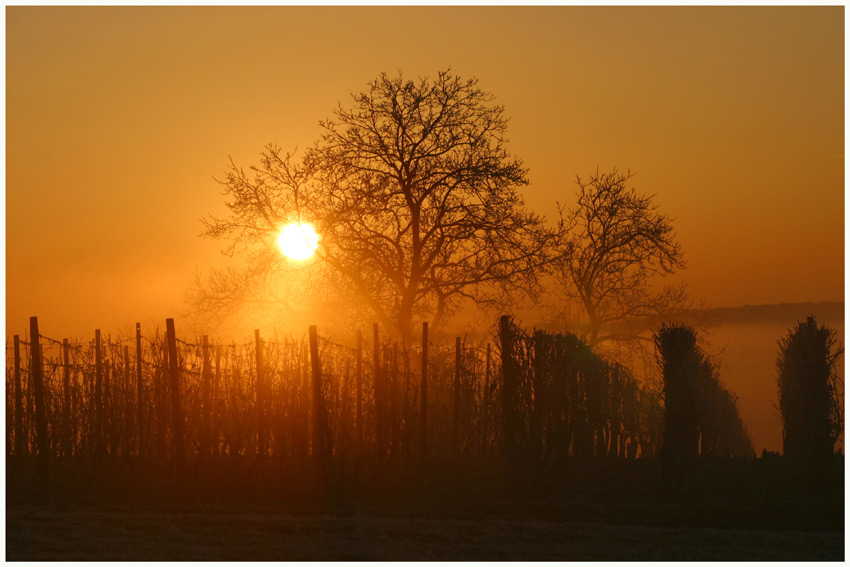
(97, 402)
(304, 401)
(405, 406)
(509, 404)
(129, 418)
(216, 386)
(534, 450)
(486, 398)
(66, 400)
(344, 410)
(613, 448)
(359, 387)
(140, 401)
(29, 403)
(262, 444)
(206, 372)
(160, 401)
(105, 406)
(20, 445)
(395, 422)
(9, 417)
(176, 407)
(42, 442)
(235, 443)
(423, 398)
(456, 399)
(379, 392)
(318, 412)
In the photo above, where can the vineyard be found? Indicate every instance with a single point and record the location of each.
(301, 401)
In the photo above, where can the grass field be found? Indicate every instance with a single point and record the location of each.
(227, 534)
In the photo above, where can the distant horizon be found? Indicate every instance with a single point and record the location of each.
(759, 311)
(737, 314)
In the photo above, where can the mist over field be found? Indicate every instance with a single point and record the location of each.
(746, 341)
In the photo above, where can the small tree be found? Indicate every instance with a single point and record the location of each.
(614, 243)
(810, 392)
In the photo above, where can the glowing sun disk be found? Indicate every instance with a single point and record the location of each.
(298, 241)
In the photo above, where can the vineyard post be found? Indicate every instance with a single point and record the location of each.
(20, 446)
(66, 399)
(108, 435)
(509, 403)
(536, 418)
(128, 396)
(216, 386)
(97, 403)
(486, 399)
(423, 398)
(359, 386)
(205, 396)
(160, 402)
(345, 405)
(236, 382)
(9, 417)
(405, 405)
(379, 391)
(456, 398)
(318, 412)
(394, 399)
(176, 407)
(140, 405)
(42, 441)
(260, 395)
(614, 446)
(304, 400)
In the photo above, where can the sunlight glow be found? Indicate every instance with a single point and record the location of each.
(298, 241)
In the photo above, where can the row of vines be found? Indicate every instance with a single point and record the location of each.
(114, 396)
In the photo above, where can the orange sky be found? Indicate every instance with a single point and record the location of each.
(118, 118)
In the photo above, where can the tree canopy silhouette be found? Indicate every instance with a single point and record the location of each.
(810, 392)
(701, 415)
(614, 242)
(415, 196)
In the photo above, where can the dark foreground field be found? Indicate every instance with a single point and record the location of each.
(223, 534)
(593, 510)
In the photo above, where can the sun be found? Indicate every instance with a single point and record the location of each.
(298, 241)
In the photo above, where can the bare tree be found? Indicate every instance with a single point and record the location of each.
(414, 194)
(614, 243)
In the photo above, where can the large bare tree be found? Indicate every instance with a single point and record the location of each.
(615, 244)
(415, 196)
